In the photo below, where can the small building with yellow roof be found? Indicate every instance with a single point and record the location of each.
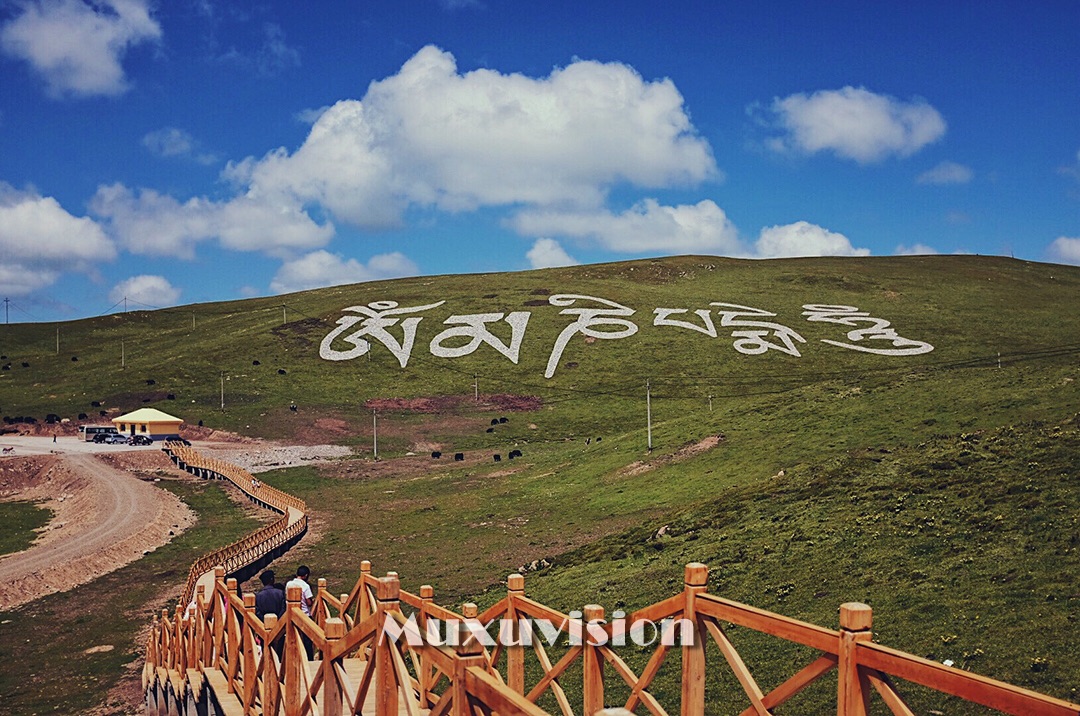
(150, 422)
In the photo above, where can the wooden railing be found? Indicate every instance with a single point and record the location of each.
(372, 653)
(256, 545)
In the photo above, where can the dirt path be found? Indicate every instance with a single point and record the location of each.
(105, 518)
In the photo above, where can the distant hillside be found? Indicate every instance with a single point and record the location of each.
(262, 356)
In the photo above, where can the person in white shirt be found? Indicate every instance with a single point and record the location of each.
(303, 575)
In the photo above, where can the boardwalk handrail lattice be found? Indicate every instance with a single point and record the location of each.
(216, 656)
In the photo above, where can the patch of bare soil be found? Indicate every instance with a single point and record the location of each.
(200, 432)
(503, 402)
(639, 467)
(105, 517)
(258, 456)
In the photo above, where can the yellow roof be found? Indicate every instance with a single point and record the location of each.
(147, 415)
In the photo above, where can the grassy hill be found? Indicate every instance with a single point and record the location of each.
(970, 308)
(938, 487)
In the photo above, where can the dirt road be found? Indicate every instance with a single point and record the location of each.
(105, 518)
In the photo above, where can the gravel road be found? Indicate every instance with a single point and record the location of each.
(105, 518)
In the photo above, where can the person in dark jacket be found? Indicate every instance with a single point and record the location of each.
(271, 598)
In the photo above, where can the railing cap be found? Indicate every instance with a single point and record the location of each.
(855, 616)
(696, 574)
(388, 589)
(334, 628)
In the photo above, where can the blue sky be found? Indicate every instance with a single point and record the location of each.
(199, 150)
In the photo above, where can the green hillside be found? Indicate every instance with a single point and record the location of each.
(970, 309)
(937, 485)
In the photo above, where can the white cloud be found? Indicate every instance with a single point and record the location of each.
(803, 239)
(1065, 250)
(155, 224)
(647, 226)
(150, 291)
(173, 142)
(322, 268)
(946, 173)
(76, 45)
(548, 253)
(855, 123)
(40, 240)
(915, 250)
(276, 227)
(275, 56)
(431, 136)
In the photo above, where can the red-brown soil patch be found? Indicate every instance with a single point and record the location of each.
(488, 402)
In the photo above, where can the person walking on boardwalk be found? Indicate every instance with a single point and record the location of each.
(271, 598)
(303, 575)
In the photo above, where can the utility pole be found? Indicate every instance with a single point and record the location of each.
(223, 391)
(125, 304)
(710, 403)
(6, 302)
(284, 320)
(193, 320)
(375, 434)
(122, 353)
(58, 340)
(648, 411)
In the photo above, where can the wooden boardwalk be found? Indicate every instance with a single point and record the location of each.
(374, 652)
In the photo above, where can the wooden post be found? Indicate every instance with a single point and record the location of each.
(271, 694)
(468, 652)
(387, 595)
(592, 662)
(853, 690)
(294, 654)
(232, 639)
(247, 671)
(332, 694)
(169, 660)
(426, 675)
(218, 648)
(515, 655)
(205, 637)
(319, 610)
(695, 579)
(364, 610)
(178, 641)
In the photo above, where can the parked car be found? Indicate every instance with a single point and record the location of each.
(140, 440)
(104, 437)
(114, 438)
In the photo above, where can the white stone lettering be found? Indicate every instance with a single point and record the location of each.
(588, 319)
(599, 318)
(877, 330)
(707, 327)
(474, 327)
(374, 319)
(751, 340)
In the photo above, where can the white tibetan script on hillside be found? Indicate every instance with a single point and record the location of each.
(599, 319)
